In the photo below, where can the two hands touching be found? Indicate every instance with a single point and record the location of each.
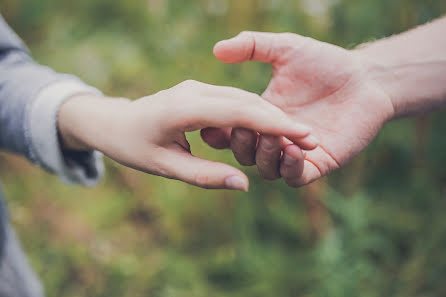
(323, 106)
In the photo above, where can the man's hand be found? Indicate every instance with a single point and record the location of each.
(333, 90)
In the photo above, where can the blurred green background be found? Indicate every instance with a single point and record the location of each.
(375, 228)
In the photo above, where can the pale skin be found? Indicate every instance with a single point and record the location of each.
(149, 134)
(346, 96)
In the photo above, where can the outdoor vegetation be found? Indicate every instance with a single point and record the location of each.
(375, 228)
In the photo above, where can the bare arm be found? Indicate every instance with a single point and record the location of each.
(411, 67)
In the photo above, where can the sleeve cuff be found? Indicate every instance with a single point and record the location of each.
(86, 167)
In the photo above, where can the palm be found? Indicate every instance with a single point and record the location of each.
(321, 85)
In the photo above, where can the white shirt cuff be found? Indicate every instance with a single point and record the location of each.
(45, 143)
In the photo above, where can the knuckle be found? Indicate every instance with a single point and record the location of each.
(271, 145)
(262, 164)
(189, 83)
(253, 113)
(227, 90)
(292, 37)
(158, 167)
(271, 140)
(294, 42)
(160, 93)
(242, 115)
(244, 136)
(239, 94)
(201, 179)
(271, 148)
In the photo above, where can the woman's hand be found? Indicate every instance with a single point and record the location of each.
(149, 134)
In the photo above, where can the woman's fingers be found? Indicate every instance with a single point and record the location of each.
(308, 143)
(183, 166)
(202, 106)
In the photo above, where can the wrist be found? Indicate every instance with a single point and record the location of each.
(414, 85)
(83, 120)
(381, 75)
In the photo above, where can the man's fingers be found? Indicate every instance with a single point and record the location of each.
(202, 173)
(218, 138)
(243, 145)
(310, 173)
(257, 46)
(292, 164)
(311, 165)
(268, 156)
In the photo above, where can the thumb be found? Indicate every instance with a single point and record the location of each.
(257, 46)
(181, 165)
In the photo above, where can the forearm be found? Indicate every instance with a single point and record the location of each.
(411, 67)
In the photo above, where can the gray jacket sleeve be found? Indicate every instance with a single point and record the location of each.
(30, 97)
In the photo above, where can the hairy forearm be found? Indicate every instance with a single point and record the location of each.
(411, 67)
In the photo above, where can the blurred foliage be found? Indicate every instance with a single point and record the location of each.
(375, 228)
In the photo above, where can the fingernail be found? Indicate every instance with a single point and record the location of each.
(289, 161)
(236, 183)
(303, 128)
(312, 140)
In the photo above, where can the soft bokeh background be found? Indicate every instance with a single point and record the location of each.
(375, 228)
